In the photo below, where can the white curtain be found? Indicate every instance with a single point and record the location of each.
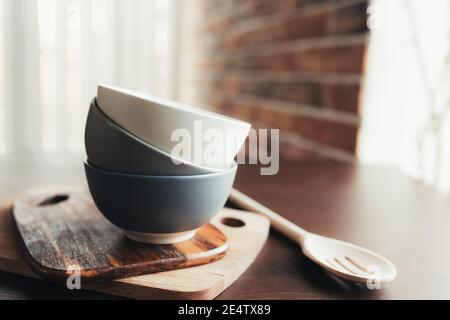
(53, 53)
(406, 101)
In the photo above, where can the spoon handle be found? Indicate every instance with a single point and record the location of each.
(286, 227)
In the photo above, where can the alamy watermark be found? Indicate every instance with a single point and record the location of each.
(217, 148)
(74, 279)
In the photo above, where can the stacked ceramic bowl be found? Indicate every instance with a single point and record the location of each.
(137, 180)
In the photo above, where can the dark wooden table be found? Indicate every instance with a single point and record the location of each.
(376, 207)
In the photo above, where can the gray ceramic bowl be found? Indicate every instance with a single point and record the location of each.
(111, 147)
(159, 209)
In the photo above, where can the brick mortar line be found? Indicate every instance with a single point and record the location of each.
(287, 77)
(310, 8)
(278, 18)
(291, 46)
(316, 147)
(218, 5)
(218, 18)
(298, 44)
(293, 108)
(298, 141)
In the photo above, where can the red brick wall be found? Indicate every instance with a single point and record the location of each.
(295, 65)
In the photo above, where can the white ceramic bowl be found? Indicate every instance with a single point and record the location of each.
(154, 120)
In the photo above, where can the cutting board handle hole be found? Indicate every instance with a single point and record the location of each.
(232, 222)
(53, 200)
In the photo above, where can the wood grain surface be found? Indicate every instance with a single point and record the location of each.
(63, 232)
(245, 240)
(376, 207)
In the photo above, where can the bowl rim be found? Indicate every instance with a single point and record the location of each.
(167, 103)
(233, 168)
(116, 126)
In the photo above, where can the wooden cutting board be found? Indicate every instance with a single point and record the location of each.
(62, 231)
(246, 234)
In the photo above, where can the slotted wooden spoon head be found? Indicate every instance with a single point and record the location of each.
(347, 260)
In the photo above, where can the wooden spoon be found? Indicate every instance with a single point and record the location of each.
(341, 258)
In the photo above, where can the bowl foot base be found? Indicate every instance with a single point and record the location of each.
(160, 238)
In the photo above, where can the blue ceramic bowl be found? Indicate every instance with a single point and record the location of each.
(159, 209)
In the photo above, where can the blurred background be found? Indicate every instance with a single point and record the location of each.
(352, 81)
